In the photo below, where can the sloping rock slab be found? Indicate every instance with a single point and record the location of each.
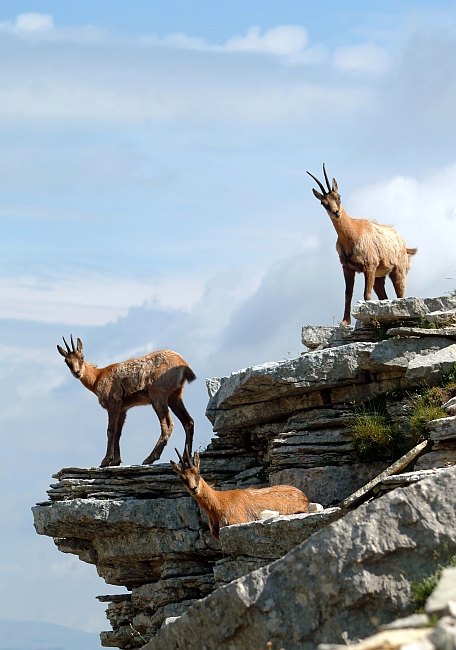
(309, 372)
(407, 332)
(397, 354)
(385, 311)
(431, 367)
(272, 538)
(353, 572)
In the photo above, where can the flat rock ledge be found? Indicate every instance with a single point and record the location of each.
(357, 570)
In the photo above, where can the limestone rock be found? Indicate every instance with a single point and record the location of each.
(450, 406)
(431, 367)
(274, 537)
(443, 428)
(397, 354)
(406, 332)
(440, 317)
(385, 311)
(436, 459)
(354, 571)
(329, 485)
(317, 336)
(444, 593)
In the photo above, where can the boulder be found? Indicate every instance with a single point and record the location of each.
(340, 583)
(442, 428)
(386, 311)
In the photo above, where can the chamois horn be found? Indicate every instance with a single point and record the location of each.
(326, 178)
(67, 346)
(319, 184)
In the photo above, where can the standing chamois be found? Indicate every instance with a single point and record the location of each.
(365, 247)
(157, 378)
(228, 507)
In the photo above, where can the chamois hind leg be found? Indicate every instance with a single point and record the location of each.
(177, 407)
(115, 423)
(349, 276)
(399, 280)
(379, 288)
(160, 407)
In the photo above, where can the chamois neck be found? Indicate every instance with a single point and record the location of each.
(207, 498)
(343, 224)
(90, 376)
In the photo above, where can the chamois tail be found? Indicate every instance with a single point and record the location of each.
(189, 374)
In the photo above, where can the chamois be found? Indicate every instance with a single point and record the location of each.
(157, 378)
(365, 247)
(228, 507)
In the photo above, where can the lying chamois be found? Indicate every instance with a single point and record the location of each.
(225, 508)
(157, 378)
(365, 247)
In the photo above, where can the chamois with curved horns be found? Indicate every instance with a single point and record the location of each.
(365, 247)
(157, 378)
(228, 507)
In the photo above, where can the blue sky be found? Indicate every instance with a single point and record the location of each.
(153, 193)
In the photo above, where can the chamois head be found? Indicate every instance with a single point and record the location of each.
(330, 199)
(73, 357)
(188, 471)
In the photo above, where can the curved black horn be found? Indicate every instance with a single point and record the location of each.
(72, 342)
(67, 346)
(187, 452)
(180, 458)
(319, 184)
(326, 178)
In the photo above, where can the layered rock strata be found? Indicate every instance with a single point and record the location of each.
(285, 422)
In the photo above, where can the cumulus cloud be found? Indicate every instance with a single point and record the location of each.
(34, 22)
(364, 58)
(281, 41)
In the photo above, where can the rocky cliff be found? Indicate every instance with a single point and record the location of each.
(283, 422)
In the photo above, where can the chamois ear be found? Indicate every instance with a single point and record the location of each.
(196, 460)
(334, 187)
(317, 194)
(79, 348)
(62, 351)
(175, 467)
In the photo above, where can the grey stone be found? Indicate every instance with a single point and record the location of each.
(450, 406)
(318, 369)
(407, 332)
(272, 538)
(415, 620)
(443, 635)
(385, 311)
(436, 459)
(352, 572)
(440, 317)
(229, 569)
(316, 336)
(442, 428)
(328, 485)
(444, 593)
(430, 368)
(397, 354)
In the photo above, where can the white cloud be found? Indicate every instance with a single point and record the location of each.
(281, 41)
(424, 212)
(34, 22)
(364, 58)
(92, 300)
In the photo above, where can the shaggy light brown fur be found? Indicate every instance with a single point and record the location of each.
(228, 507)
(365, 247)
(157, 378)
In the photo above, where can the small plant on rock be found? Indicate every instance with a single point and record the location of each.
(422, 590)
(371, 433)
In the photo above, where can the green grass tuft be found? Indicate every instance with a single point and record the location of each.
(371, 433)
(422, 590)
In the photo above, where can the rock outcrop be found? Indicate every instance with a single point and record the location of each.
(347, 578)
(282, 422)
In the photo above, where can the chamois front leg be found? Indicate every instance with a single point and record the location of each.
(116, 421)
(160, 406)
(349, 276)
(369, 279)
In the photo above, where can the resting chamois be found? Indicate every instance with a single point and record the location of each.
(228, 507)
(365, 247)
(157, 378)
